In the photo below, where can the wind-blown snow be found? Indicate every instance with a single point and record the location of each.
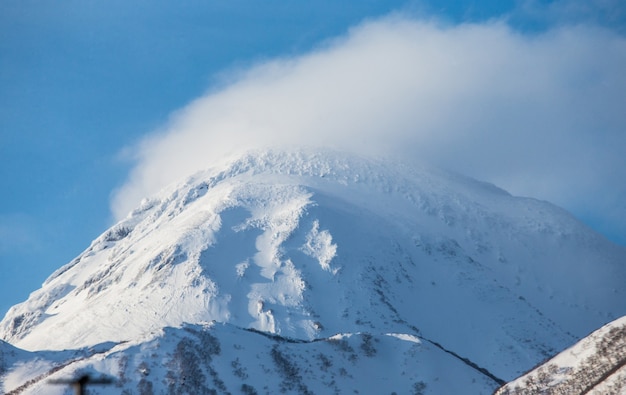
(306, 245)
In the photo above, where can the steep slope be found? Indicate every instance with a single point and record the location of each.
(307, 245)
(594, 365)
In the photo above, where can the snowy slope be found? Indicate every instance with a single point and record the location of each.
(308, 245)
(594, 365)
(20, 370)
(199, 358)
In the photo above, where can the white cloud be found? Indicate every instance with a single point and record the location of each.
(538, 114)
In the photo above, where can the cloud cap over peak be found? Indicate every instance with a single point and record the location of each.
(538, 114)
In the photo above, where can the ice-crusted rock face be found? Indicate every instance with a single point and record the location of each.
(306, 245)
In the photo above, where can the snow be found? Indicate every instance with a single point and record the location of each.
(405, 337)
(231, 359)
(306, 245)
(23, 371)
(596, 364)
(319, 245)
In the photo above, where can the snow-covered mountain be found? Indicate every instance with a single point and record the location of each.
(318, 272)
(595, 365)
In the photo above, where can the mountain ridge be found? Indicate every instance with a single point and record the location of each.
(596, 364)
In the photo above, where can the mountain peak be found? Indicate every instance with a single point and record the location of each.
(305, 245)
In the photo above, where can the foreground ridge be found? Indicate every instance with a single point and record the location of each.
(466, 361)
(594, 365)
(221, 358)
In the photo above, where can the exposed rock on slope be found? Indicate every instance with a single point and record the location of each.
(594, 365)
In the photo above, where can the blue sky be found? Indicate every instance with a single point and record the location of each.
(84, 82)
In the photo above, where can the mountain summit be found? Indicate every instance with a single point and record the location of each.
(318, 272)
